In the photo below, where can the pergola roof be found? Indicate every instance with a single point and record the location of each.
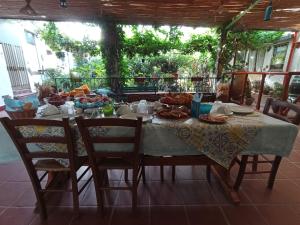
(286, 13)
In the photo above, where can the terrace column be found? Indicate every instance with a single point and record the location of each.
(111, 53)
(220, 56)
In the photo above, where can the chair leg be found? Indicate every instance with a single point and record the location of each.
(208, 173)
(126, 175)
(173, 173)
(75, 193)
(106, 178)
(143, 174)
(39, 197)
(162, 173)
(134, 188)
(99, 193)
(241, 173)
(255, 163)
(274, 170)
(41, 206)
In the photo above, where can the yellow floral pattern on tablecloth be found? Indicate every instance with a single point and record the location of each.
(221, 143)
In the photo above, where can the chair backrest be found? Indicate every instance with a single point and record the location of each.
(237, 88)
(60, 136)
(90, 139)
(281, 110)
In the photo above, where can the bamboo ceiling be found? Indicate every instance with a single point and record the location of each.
(209, 13)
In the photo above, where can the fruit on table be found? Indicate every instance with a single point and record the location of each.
(91, 102)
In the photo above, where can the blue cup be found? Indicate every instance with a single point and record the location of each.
(205, 108)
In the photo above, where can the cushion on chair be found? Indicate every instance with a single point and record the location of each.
(50, 165)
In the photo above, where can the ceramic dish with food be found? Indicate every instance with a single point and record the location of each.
(214, 119)
(172, 114)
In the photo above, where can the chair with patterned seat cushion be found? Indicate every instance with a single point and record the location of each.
(113, 151)
(26, 133)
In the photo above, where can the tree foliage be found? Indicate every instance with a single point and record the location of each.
(149, 48)
(59, 42)
(239, 41)
(151, 41)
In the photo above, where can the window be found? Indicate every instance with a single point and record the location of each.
(278, 58)
(30, 37)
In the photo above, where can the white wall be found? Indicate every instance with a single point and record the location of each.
(296, 60)
(5, 86)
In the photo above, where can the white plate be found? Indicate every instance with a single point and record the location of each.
(134, 116)
(241, 110)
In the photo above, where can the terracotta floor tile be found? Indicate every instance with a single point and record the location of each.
(154, 173)
(294, 156)
(164, 193)
(193, 192)
(27, 199)
(2, 210)
(296, 181)
(190, 172)
(243, 215)
(11, 191)
(115, 175)
(174, 215)
(92, 216)
(17, 216)
(279, 215)
(221, 197)
(290, 170)
(13, 171)
(265, 176)
(89, 198)
(125, 197)
(284, 191)
(56, 216)
(205, 215)
(125, 216)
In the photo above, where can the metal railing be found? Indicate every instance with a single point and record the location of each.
(142, 84)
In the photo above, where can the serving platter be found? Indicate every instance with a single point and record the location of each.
(241, 110)
(213, 120)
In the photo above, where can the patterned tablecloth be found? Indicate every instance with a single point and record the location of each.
(252, 134)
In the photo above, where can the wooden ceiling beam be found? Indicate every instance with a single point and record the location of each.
(241, 14)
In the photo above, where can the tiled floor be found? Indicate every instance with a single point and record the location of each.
(188, 201)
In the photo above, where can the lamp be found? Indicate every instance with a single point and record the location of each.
(28, 10)
(268, 12)
(63, 3)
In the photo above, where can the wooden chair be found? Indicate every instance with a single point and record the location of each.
(101, 161)
(37, 161)
(237, 88)
(279, 111)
